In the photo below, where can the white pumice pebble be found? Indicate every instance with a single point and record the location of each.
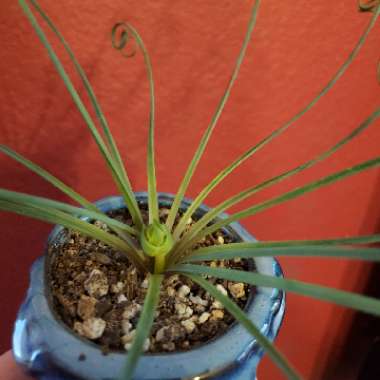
(126, 326)
(128, 346)
(160, 334)
(189, 325)
(183, 291)
(145, 283)
(117, 288)
(121, 298)
(96, 284)
(204, 317)
(131, 311)
(198, 300)
(237, 290)
(222, 289)
(91, 328)
(220, 240)
(217, 314)
(128, 338)
(217, 305)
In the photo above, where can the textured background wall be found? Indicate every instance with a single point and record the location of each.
(296, 48)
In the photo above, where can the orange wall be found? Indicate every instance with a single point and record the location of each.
(296, 48)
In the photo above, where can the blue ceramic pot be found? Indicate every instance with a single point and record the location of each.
(49, 350)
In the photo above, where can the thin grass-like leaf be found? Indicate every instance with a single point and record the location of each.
(99, 113)
(206, 136)
(127, 29)
(122, 185)
(365, 239)
(144, 325)
(255, 189)
(242, 318)
(58, 217)
(151, 168)
(208, 217)
(120, 228)
(225, 172)
(22, 198)
(312, 186)
(48, 177)
(250, 250)
(229, 169)
(355, 301)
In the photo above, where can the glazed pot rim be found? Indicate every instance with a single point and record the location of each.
(229, 349)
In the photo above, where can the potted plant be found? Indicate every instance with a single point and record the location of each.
(159, 273)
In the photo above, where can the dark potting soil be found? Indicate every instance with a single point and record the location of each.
(99, 294)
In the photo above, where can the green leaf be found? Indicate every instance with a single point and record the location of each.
(99, 113)
(126, 30)
(207, 218)
(206, 136)
(312, 186)
(118, 227)
(22, 198)
(144, 326)
(229, 169)
(249, 250)
(58, 217)
(245, 194)
(48, 177)
(242, 318)
(122, 185)
(151, 171)
(355, 301)
(156, 239)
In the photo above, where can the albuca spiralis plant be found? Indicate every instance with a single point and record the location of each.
(165, 248)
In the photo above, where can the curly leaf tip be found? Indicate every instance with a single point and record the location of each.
(368, 5)
(120, 37)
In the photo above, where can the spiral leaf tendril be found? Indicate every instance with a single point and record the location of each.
(368, 5)
(121, 36)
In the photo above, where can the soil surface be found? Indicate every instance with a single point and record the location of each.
(98, 293)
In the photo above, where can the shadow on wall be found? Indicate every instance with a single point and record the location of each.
(355, 358)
